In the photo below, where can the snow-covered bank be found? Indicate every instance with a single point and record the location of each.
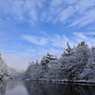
(64, 80)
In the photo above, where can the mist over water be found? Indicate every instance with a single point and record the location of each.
(45, 88)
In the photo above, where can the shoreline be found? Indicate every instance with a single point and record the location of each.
(65, 81)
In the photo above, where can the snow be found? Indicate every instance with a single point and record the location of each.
(76, 64)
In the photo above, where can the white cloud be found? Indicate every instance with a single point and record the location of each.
(36, 40)
(21, 10)
(83, 5)
(55, 40)
(85, 36)
(65, 14)
(81, 13)
(55, 44)
(84, 33)
(75, 12)
(59, 41)
(87, 18)
(48, 41)
(80, 35)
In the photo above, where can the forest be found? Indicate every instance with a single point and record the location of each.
(76, 64)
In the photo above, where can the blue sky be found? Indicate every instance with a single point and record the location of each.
(31, 28)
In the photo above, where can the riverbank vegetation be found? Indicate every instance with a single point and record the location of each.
(75, 64)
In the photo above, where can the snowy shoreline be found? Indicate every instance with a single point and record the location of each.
(81, 81)
(65, 81)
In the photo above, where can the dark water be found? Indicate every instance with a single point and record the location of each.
(44, 88)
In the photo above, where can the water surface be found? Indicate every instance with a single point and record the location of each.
(14, 87)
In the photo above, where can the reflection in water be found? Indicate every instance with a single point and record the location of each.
(13, 87)
(44, 88)
(2, 87)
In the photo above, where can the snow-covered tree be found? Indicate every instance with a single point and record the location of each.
(73, 64)
(82, 53)
(44, 62)
(76, 63)
(3, 69)
(28, 70)
(68, 52)
(33, 71)
(48, 58)
(89, 70)
(54, 70)
(14, 73)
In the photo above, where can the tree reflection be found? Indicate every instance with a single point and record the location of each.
(9, 85)
(2, 87)
(12, 84)
(45, 88)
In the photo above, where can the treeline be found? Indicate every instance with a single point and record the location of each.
(3, 69)
(77, 63)
(7, 72)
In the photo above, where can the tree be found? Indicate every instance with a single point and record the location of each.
(3, 69)
(69, 51)
(29, 70)
(46, 59)
(73, 64)
(89, 70)
(44, 62)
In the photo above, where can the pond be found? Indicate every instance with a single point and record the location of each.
(15, 87)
